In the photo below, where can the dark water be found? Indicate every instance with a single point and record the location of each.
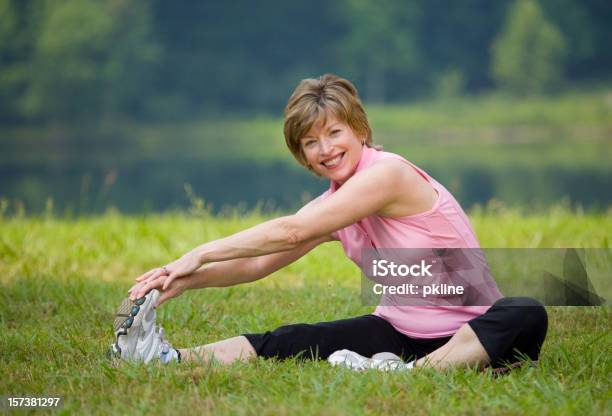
(135, 187)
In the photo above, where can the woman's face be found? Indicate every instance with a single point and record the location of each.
(331, 149)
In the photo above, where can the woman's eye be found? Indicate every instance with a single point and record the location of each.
(335, 132)
(309, 143)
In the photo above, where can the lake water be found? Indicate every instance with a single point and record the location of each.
(158, 185)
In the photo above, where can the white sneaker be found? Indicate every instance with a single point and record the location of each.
(383, 361)
(137, 337)
(387, 361)
(349, 359)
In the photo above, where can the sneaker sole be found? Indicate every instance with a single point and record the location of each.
(133, 310)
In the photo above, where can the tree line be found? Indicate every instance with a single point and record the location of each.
(73, 61)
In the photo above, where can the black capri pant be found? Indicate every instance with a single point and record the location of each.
(511, 330)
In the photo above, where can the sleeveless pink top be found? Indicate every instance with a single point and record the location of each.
(445, 225)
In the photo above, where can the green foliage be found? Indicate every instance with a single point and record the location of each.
(62, 280)
(8, 26)
(74, 61)
(381, 40)
(15, 41)
(88, 57)
(72, 35)
(450, 84)
(528, 54)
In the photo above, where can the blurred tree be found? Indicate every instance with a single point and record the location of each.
(68, 58)
(18, 28)
(10, 72)
(528, 54)
(573, 20)
(587, 29)
(239, 55)
(73, 60)
(132, 59)
(90, 59)
(450, 84)
(599, 62)
(380, 44)
(454, 39)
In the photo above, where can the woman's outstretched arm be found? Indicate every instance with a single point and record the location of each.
(229, 272)
(366, 193)
(249, 269)
(226, 273)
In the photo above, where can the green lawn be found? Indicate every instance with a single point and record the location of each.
(62, 279)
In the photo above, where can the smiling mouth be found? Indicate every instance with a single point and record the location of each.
(335, 162)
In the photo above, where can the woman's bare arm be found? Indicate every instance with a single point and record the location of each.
(366, 193)
(226, 273)
(229, 272)
(248, 269)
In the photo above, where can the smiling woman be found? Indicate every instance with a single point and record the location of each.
(331, 149)
(376, 200)
(322, 116)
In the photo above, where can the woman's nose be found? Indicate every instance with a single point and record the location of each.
(325, 146)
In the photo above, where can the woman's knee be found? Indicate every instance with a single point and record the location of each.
(527, 312)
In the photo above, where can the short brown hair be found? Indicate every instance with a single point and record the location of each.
(315, 97)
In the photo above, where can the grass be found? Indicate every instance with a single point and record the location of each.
(62, 279)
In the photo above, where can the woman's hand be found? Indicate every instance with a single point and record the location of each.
(184, 266)
(173, 290)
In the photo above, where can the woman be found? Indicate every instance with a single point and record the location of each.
(375, 200)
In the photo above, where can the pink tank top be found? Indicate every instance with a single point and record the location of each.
(445, 225)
